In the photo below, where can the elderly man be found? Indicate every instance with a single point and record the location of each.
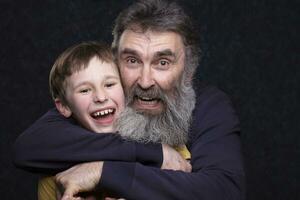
(156, 50)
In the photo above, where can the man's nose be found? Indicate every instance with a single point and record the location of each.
(146, 80)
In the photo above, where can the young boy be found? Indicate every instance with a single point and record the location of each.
(85, 85)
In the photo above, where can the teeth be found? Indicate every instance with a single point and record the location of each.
(103, 112)
(146, 98)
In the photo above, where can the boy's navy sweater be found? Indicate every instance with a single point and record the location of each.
(131, 170)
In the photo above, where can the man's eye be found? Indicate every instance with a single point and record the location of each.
(131, 60)
(163, 62)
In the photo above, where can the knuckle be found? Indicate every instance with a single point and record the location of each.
(57, 179)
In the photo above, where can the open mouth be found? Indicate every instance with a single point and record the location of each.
(103, 113)
(147, 100)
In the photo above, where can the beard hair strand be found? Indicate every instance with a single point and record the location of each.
(169, 127)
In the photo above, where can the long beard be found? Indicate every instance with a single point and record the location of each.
(169, 127)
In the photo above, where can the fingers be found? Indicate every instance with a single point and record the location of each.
(74, 198)
(187, 167)
(80, 178)
(61, 180)
(182, 165)
(174, 161)
(70, 193)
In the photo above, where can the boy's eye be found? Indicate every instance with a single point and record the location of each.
(108, 85)
(84, 91)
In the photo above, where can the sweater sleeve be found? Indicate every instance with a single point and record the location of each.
(216, 161)
(54, 143)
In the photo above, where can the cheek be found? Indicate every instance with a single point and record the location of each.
(121, 103)
(167, 80)
(117, 95)
(129, 77)
(120, 100)
(173, 77)
(81, 104)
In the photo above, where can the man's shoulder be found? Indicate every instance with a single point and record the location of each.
(207, 93)
(212, 103)
(213, 114)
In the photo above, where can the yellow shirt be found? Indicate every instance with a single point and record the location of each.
(47, 189)
(184, 152)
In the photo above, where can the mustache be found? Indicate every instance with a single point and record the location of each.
(154, 92)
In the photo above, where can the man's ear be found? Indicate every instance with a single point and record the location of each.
(63, 109)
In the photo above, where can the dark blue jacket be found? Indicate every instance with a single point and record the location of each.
(131, 170)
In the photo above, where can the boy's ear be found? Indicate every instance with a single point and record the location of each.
(64, 110)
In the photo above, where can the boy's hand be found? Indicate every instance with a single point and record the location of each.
(173, 160)
(80, 178)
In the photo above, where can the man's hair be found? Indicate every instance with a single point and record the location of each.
(75, 59)
(160, 15)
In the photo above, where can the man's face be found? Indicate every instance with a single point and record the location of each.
(95, 96)
(150, 61)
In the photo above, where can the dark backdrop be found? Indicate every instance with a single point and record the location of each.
(250, 50)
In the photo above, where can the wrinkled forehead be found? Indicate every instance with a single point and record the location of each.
(150, 41)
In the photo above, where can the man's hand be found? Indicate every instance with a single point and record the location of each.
(80, 178)
(173, 160)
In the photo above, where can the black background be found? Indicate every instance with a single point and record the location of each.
(250, 50)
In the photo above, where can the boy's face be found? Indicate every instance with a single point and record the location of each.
(95, 96)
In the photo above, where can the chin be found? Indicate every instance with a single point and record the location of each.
(103, 130)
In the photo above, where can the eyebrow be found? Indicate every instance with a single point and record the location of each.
(129, 51)
(111, 76)
(80, 84)
(88, 82)
(165, 52)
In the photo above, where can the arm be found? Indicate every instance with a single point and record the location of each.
(54, 143)
(216, 161)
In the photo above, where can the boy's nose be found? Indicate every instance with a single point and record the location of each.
(100, 97)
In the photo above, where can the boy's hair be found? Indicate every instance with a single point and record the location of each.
(73, 60)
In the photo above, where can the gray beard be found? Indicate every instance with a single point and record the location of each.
(169, 127)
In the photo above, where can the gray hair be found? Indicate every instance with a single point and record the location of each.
(170, 127)
(161, 16)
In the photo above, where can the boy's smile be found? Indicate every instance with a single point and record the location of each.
(104, 116)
